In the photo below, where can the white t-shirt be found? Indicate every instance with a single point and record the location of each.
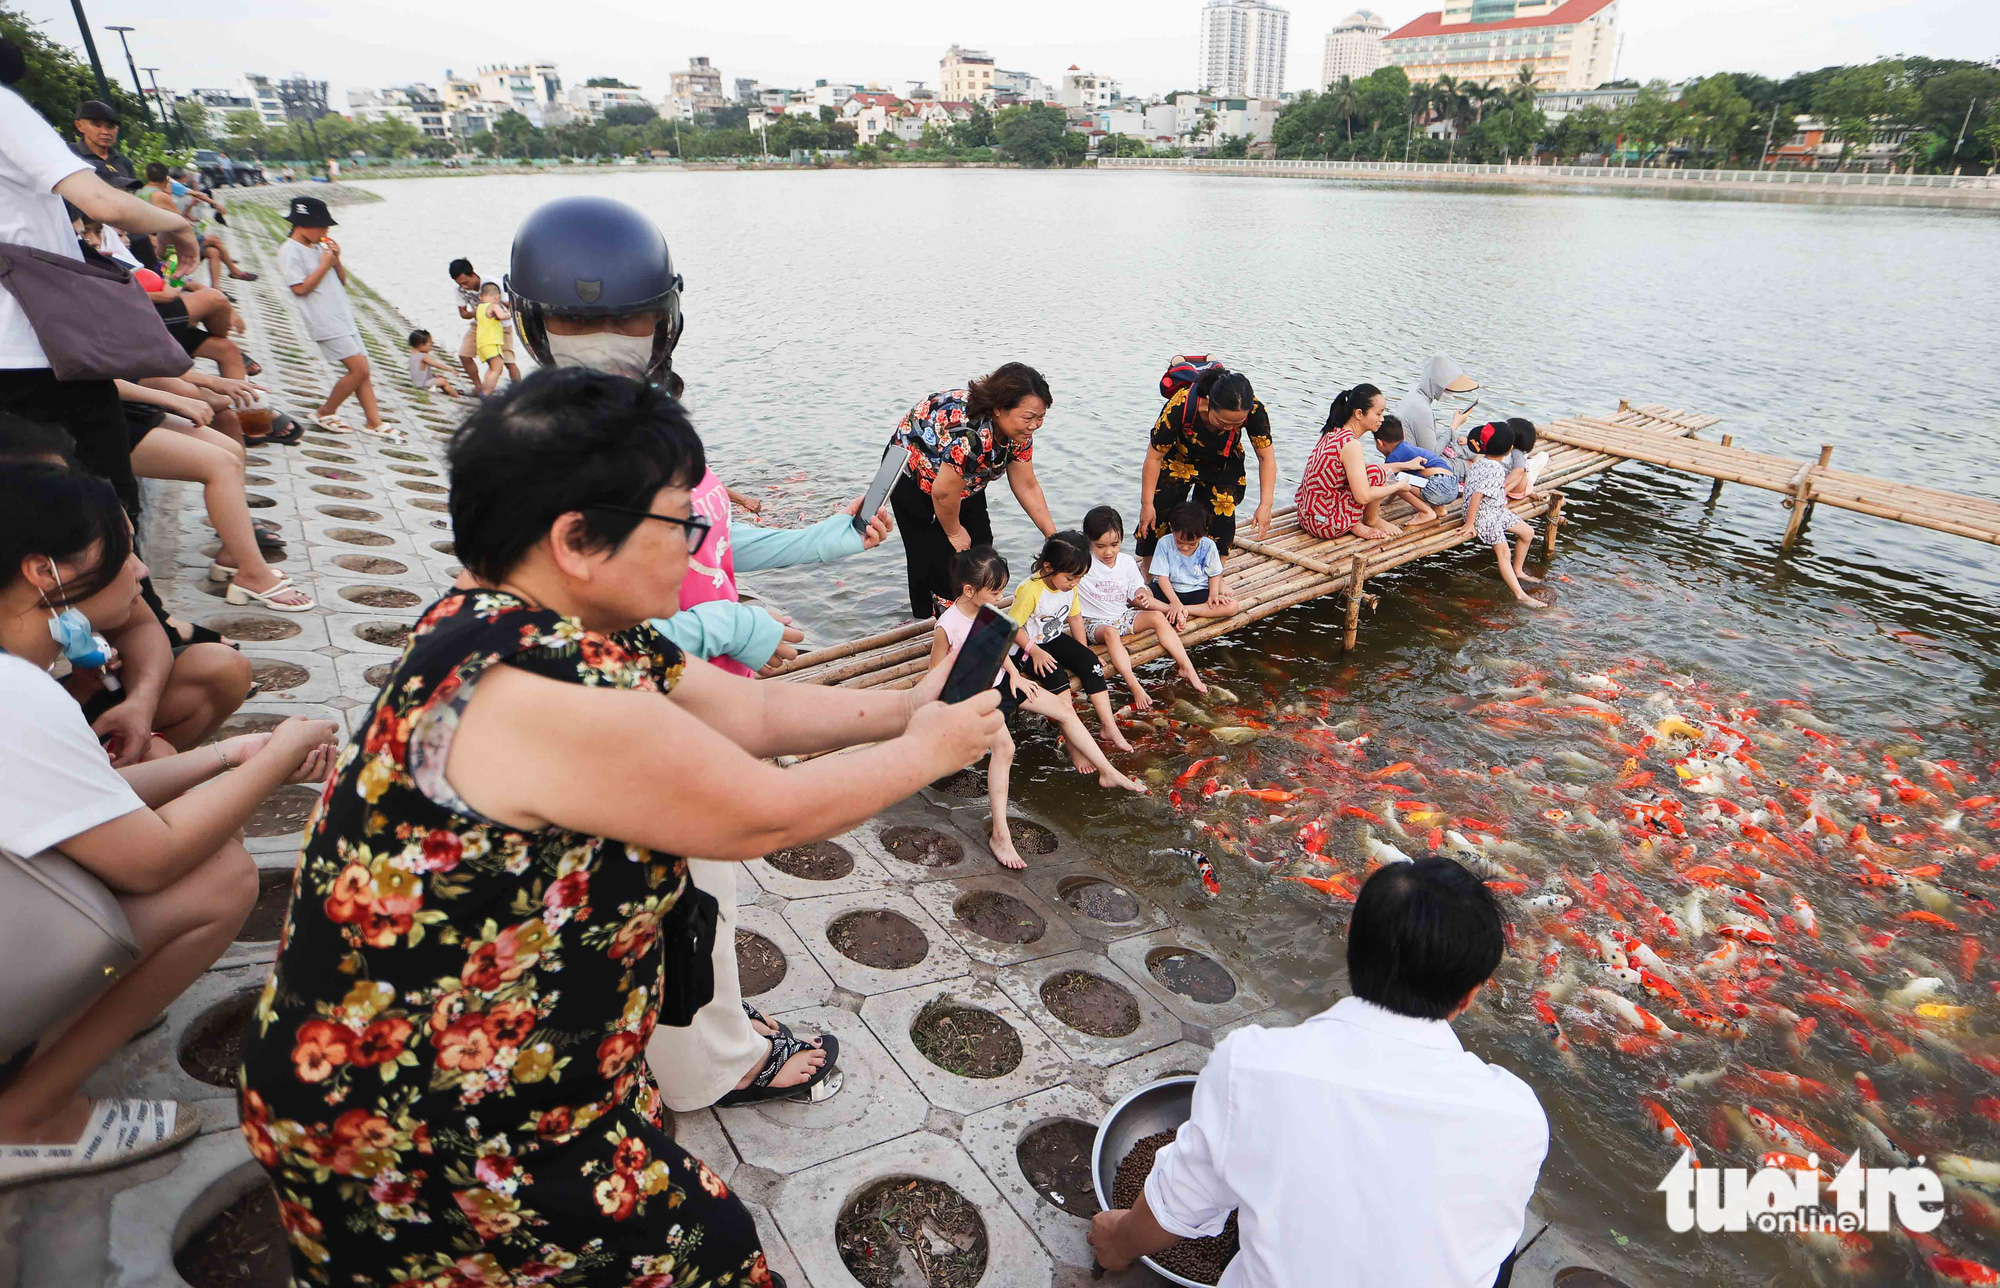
(325, 311)
(1106, 591)
(33, 160)
(55, 779)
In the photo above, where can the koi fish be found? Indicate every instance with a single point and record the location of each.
(1959, 1270)
(1202, 866)
(1669, 1130)
(1545, 1010)
(1270, 795)
(1804, 917)
(1381, 851)
(1634, 1017)
(1334, 887)
(1189, 774)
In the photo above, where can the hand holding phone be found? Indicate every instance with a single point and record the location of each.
(977, 665)
(894, 462)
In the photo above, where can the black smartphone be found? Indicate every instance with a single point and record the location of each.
(979, 658)
(894, 462)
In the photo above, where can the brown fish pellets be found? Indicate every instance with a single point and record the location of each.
(1202, 1260)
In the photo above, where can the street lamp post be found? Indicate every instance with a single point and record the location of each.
(171, 120)
(90, 47)
(137, 84)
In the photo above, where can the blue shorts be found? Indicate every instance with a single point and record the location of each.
(1440, 489)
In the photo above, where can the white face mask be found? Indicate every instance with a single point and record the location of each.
(603, 351)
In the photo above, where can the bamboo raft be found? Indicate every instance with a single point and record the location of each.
(1292, 566)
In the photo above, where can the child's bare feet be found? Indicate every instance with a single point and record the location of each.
(1523, 575)
(1003, 849)
(1367, 533)
(1391, 529)
(1116, 737)
(1113, 778)
(1193, 678)
(1141, 700)
(1530, 601)
(1078, 760)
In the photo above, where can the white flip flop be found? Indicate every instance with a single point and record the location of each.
(119, 1132)
(239, 594)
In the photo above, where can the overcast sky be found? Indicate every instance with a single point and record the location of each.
(793, 42)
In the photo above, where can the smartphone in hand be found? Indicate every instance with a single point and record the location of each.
(977, 666)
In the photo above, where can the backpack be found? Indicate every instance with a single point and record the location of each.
(1185, 370)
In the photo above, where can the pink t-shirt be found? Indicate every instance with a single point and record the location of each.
(711, 575)
(956, 624)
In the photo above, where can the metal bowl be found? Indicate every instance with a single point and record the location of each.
(1156, 1107)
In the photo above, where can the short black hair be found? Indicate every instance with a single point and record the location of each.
(564, 440)
(1390, 430)
(155, 172)
(1067, 551)
(1524, 433)
(979, 567)
(61, 512)
(1103, 519)
(24, 440)
(1188, 520)
(419, 336)
(460, 267)
(1422, 937)
(490, 286)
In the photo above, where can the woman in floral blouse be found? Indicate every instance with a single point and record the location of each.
(959, 441)
(1197, 455)
(445, 1073)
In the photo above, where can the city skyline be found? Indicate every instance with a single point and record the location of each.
(373, 43)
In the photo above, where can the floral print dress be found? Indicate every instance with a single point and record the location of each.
(1202, 463)
(445, 1074)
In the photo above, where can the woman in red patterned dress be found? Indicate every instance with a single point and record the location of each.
(1341, 492)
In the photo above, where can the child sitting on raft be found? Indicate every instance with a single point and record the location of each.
(1486, 512)
(980, 575)
(1116, 602)
(1434, 480)
(1187, 570)
(1049, 645)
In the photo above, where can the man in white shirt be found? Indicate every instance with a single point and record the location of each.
(1364, 1148)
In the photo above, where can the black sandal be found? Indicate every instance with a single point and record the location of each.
(762, 1018)
(783, 1048)
(199, 634)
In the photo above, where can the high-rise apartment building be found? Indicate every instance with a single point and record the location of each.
(1569, 44)
(696, 91)
(1242, 50)
(966, 75)
(1354, 47)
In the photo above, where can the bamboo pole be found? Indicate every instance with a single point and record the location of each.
(1800, 501)
(1715, 492)
(1354, 586)
(1271, 552)
(1555, 519)
(1915, 518)
(835, 652)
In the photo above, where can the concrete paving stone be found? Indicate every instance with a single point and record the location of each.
(891, 1016)
(319, 686)
(941, 900)
(877, 1102)
(1134, 954)
(777, 1252)
(806, 982)
(1271, 1017)
(149, 1066)
(354, 669)
(812, 918)
(868, 874)
(325, 561)
(347, 629)
(975, 860)
(974, 821)
(57, 1234)
(701, 1135)
(993, 1138)
(349, 605)
(307, 631)
(1122, 1079)
(151, 1221)
(747, 889)
(1157, 1026)
(812, 1201)
(380, 538)
(1053, 883)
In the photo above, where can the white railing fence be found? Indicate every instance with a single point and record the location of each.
(1648, 174)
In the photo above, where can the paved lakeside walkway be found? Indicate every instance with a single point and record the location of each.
(369, 538)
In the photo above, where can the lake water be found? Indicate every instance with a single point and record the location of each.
(821, 305)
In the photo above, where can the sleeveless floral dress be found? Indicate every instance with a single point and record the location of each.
(445, 1075)
(1327, 507)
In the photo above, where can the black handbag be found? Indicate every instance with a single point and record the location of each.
(687, 937)
(92, 320)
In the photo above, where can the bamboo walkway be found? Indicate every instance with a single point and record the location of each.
(1291, 566)
(1803, 483)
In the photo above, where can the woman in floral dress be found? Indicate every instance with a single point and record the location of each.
(445, 1073)
(1340, 492)
(1197, 455)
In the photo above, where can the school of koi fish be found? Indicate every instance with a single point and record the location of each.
(1780, 941)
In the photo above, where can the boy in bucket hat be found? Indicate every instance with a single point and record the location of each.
(309, 263)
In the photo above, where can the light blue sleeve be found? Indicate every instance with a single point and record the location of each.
(829, 539)
(1211, 558)
(721, 628)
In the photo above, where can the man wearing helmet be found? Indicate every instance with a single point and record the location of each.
(591, 283)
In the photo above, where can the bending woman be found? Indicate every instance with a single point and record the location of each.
(1340, 492)
(1198, 442)
(446, 1066)
(162, 837)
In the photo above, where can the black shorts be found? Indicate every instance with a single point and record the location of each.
(1191, 598)
(1072, 659)
(189, 336)
(89, 410)
(141, 419)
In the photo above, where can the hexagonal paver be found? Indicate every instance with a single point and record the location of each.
(993, 1137)
(149, 1066)
(1133, 955)
(867, 874)
(811, 918)
(1157, 1026)
(896, 824)
(890, 1016)
(1057, 884)
(1121, 1080)
(806, 982)
(943, 899)
(972, 822)
(877, 1102)
(700, 1134)
(812, 1201)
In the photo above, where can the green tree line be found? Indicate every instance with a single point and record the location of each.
(1947, 112)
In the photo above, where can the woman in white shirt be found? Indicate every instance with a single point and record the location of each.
(161, 836)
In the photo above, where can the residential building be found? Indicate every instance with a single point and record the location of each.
(1242, 48)
(1022, 87)
(301, 98)
(1557, 104)
(473, 118)
(1163, 121)
(530, 89)
(1814, 146)
(1087, 90)
(1246, 116)
(833, 94)
(418, 106)
(966, 74)
(262, 91)
(747, 89)
(458, 90)
(696, 91)
(589, 102)
(1354, 47)
(1570, 44)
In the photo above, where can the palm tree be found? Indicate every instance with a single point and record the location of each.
(1346, 100)
(1523, 88)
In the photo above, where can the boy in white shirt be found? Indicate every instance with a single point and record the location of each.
(306, 260)
(1116, 603)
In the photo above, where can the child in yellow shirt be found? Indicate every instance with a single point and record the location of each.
(491, 339)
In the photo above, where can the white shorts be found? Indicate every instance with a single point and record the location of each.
(339, 349)
(1123, 623)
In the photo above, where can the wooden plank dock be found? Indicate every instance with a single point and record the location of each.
(1291, 566)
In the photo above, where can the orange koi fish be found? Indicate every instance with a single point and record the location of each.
(1669, 1130)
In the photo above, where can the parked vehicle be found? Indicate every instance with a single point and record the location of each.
(217, 170)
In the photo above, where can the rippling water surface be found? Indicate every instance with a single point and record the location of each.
(821, 305)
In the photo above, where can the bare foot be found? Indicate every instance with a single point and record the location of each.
(1003, 850)
(1116, 779)
(1117, 738)
(797, 1069)
(1522, 575)
(1141, 700)
(1077, 759)
(1392, 529)
(1530, 601)
(1193, 678)
(64, 1128)
(1367, 533)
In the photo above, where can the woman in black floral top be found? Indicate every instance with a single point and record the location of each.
(1197, 455)
(959, 441)
(445, 1073)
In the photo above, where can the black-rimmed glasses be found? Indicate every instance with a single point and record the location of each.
(695, 527)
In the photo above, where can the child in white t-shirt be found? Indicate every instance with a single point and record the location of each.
(1116, 603)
